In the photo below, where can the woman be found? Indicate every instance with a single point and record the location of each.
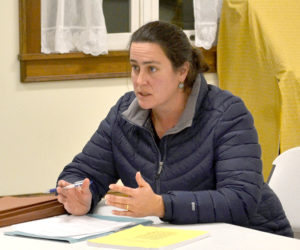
(185, 151)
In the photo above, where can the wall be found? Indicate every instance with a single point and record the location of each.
(43, 125)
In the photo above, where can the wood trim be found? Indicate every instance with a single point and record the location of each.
(72, 66)
(210, 57)
(38, 67)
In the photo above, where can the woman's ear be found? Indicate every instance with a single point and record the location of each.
(184, 70)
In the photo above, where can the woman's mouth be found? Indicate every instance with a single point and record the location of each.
(143, 94)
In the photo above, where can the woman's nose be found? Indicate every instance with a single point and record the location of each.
(141, 78)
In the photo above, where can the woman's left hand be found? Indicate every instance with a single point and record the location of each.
(136, 202)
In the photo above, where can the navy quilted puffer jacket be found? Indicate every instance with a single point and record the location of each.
(207, 168)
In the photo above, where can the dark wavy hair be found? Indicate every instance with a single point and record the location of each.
(175, 45)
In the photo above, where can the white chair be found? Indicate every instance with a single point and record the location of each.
(285, 182)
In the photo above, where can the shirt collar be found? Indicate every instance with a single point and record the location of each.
(138, 116)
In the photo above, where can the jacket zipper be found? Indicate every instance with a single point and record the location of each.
(160, 167)
(160, 162)
(157, 183)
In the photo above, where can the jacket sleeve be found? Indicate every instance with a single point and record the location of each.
(96, 160)
(237, 173)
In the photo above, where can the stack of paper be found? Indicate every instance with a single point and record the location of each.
(73, 228)
(146, 237)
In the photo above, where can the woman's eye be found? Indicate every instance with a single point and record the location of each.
(134, 67)
(152, 69)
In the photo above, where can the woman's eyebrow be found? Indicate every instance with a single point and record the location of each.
(146, 62)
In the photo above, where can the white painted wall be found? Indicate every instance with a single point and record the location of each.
(43, 125)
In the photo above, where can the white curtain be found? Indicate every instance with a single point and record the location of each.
(73, 25)
(207, 14)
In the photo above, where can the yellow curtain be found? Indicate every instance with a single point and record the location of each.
(259, 60)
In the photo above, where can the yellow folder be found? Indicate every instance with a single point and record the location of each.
(149, 237)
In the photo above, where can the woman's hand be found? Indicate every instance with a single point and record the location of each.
(77, 201)
(137, 202)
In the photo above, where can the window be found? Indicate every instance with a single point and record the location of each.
(120, 29)
(134, 13)
(38, 67)
(180, 13)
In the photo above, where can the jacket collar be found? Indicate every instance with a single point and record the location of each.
(141, 117)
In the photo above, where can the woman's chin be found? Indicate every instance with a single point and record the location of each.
(144, 105)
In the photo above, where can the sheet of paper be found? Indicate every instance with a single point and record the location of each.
(69, 226)
(149, 237)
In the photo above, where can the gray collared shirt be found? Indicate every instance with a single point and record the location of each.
(141, 117)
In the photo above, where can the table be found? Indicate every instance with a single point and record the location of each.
(223, 236)
(259, 60)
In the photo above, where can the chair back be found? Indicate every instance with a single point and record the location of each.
(285, 182)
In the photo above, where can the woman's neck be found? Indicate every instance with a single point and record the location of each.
(166, 118)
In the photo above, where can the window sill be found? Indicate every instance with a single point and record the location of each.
(37, 67)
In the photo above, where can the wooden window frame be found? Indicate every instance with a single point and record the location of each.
(38, 67)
